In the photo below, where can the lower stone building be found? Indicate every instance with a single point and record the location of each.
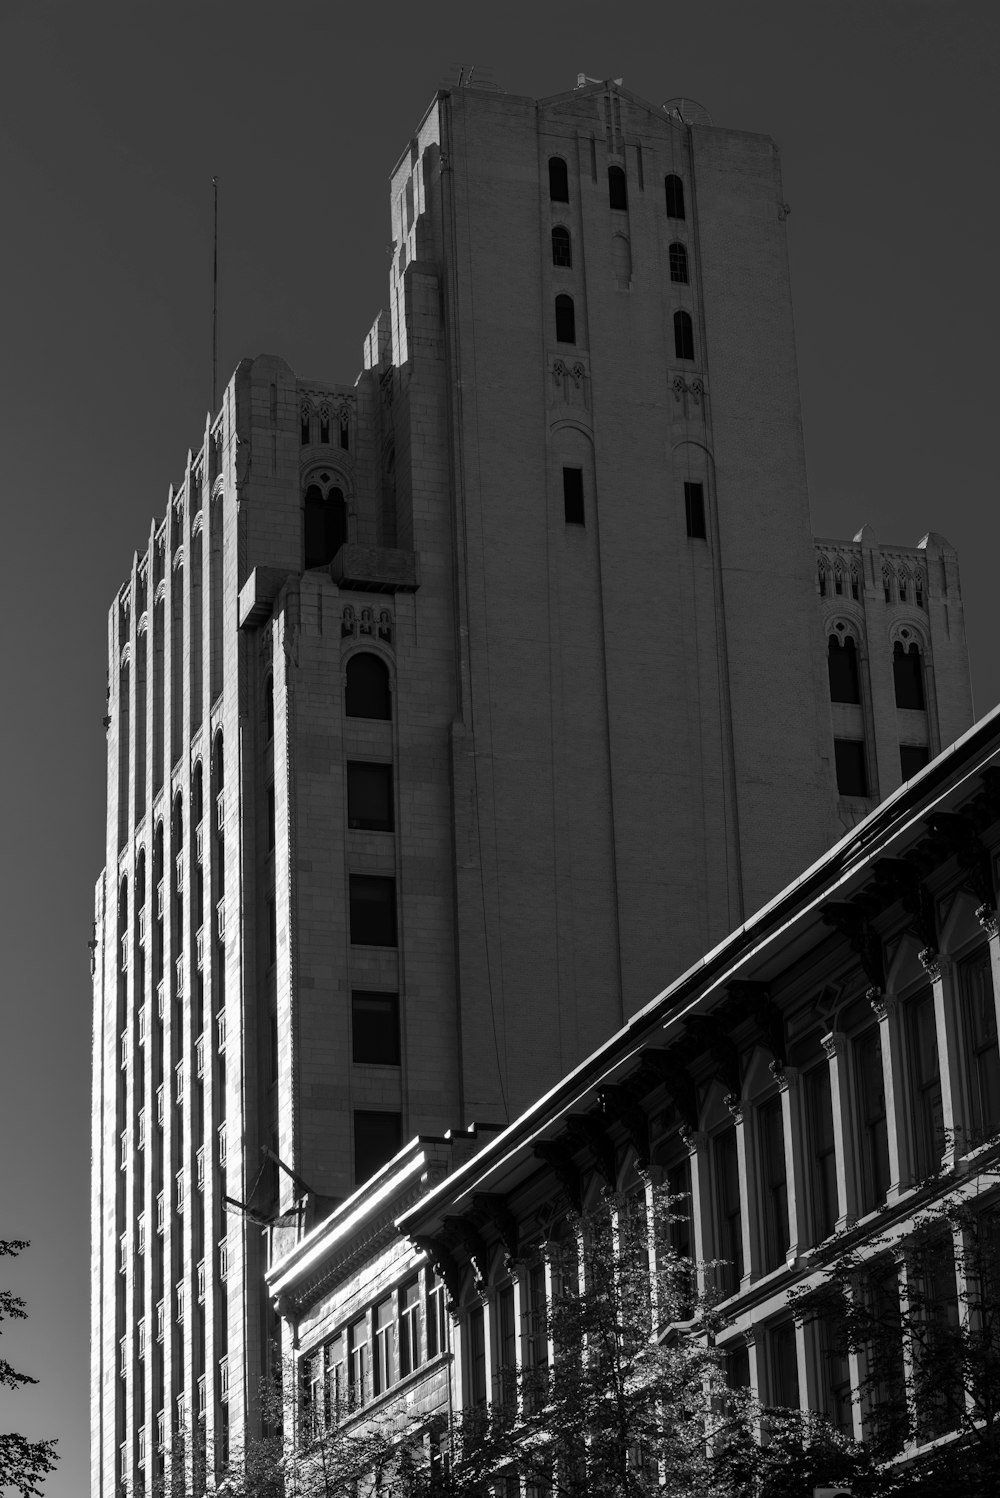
(827, 1078)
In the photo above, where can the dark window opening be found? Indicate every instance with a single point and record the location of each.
(573, 495)
(694, 510)
(912, 759)
(558, 180)
(375, 1028)
(783, 1367)
(617, 189)
(324, 429)
(367, 694)
(674, 189)
(373, 910)
(727, 1190)
(908, 676)
(926, 1109)
(678, 263)
(842, 667)
(345, 434)
(822, 1151)
(683, 335)
(324, 525)
(855, 586)
(377, 1137)
(852, 774)
(475, 1357)
(269, 707)
(562, 248)
(982, 1055)
(775, 1183)
(873, 1126)
(272, 932)
(270, 818)
(565, 320)
(305, 426)
(369, 796)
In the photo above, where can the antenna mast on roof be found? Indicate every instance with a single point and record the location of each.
(215, 291)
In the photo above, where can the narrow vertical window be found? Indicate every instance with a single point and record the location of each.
(558, 180)
(727, 1188)
(573, 496)
(822, 1151)
(683, 335)
(842, 669)
(678, 263)
(774, 1182)
(562, 249)
(475, 1357)
(783, 1367)
(908, 676)
(369, 796)
(982, 1056)
(617, 189)
(565, 319)
(912, 759)
(367, 694)
(694, 510)
(873, 1129)
(852, 773)
(304, 426)
(926, 1111)
(269, 708)
(674, 189)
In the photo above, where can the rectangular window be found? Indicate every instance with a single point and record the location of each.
(337, 1401)
(373, 910)
(573, 496)
(773, 1182)
(270, 818)
(506, 1348)
(852, 773)
(369, 796)
(694, 511)
(873, 1129)
(730, 1210)
(536, 1344)
(475, 1357)
(313, 1390)
(834, 1376)
(982, 1056)
(357, 1362)
(409, 1328)
(377, 1137)
(375, 1028)
(823, 1151)
(384, 1350)
(437, 1316)
(783, 1366)
(926, 1111)
(912, 759)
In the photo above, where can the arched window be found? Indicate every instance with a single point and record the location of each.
(683, 335)
(558, 180)
(198, 794)
(367, 694)
(908, 676)
(269, 707)
(678, 262)
(565, 320)
(158, 853)
(324, 525)
(123, 906)
(674, 189)
(562, 249)
(219, 762)
(617, 188)
(842, 666)
(177, 824)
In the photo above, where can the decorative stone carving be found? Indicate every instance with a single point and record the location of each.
(986, 915)
(882, 1004)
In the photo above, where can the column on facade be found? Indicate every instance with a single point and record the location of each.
(746, 1158)
(697, 1146)
(835, 1047)
(886, 1008)
(795, 1134)
(949, 1043)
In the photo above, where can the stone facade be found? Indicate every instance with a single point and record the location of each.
(452, 712)
(826, 1080)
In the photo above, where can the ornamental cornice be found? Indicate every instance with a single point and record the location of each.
(363, 1245)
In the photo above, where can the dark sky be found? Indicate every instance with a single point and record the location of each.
(113, 120)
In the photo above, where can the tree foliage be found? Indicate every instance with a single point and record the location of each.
(921, 1314)
(23, 1463)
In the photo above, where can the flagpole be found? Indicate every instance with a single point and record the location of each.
(215, 291)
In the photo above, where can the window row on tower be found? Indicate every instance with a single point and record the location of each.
(673, 188)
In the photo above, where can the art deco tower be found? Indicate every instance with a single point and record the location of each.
(455, 711)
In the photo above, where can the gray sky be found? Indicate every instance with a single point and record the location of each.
(113, 120)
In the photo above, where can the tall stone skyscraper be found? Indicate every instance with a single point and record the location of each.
(455, 711)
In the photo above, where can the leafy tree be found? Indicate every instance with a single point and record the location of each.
(627, 1397)
(921, 1313)
(23, 1463)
